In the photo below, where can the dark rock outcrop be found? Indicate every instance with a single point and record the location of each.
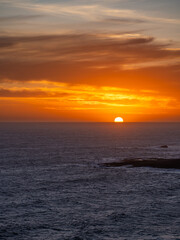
(164, 146)
(154, 162)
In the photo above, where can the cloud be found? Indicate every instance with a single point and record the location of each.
(12, 19)
(67, 98)
(83, 95)
(121, 60)
(95, 50)
(158, 63)
(120, 20)
(28, 93)
(88, 11)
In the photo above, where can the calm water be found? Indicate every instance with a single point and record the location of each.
(52, 185)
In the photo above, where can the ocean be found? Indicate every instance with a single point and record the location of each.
(54, 186)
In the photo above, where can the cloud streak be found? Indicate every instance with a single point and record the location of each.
(95, 50)
(18, 18)
(27, 93)
(93, 59)
(120, 20)
(90, 12)
(85, 96)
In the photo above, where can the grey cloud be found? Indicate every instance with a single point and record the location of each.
(11, 19)
(121, 20)
(76, 44)
(10, 41)
(142, 40)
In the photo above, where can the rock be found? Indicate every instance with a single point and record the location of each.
(152, 162)
(164, 146)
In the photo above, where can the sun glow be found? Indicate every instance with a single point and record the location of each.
(118, 119)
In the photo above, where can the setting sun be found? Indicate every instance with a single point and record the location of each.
(118, 119)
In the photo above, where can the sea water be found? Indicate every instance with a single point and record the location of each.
(53, 185)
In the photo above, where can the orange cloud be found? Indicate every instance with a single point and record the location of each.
(62, 76)
(59, 101)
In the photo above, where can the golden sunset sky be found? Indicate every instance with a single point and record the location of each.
(81, 60)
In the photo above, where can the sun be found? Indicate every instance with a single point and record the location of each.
(118, 119)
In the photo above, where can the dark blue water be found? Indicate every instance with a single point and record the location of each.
(52, 185)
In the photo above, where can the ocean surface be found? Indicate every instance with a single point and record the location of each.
(53, 185)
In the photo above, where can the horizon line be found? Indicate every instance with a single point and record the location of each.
(117, 123)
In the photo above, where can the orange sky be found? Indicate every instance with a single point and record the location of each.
(65, 72)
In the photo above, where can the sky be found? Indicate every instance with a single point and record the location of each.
(92, 61)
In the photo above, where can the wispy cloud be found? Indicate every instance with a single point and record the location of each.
(91, 12)
(44, 98)
(121, 20)
(84, 95)
(12, 19)
(128, 51)
(158, 63)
